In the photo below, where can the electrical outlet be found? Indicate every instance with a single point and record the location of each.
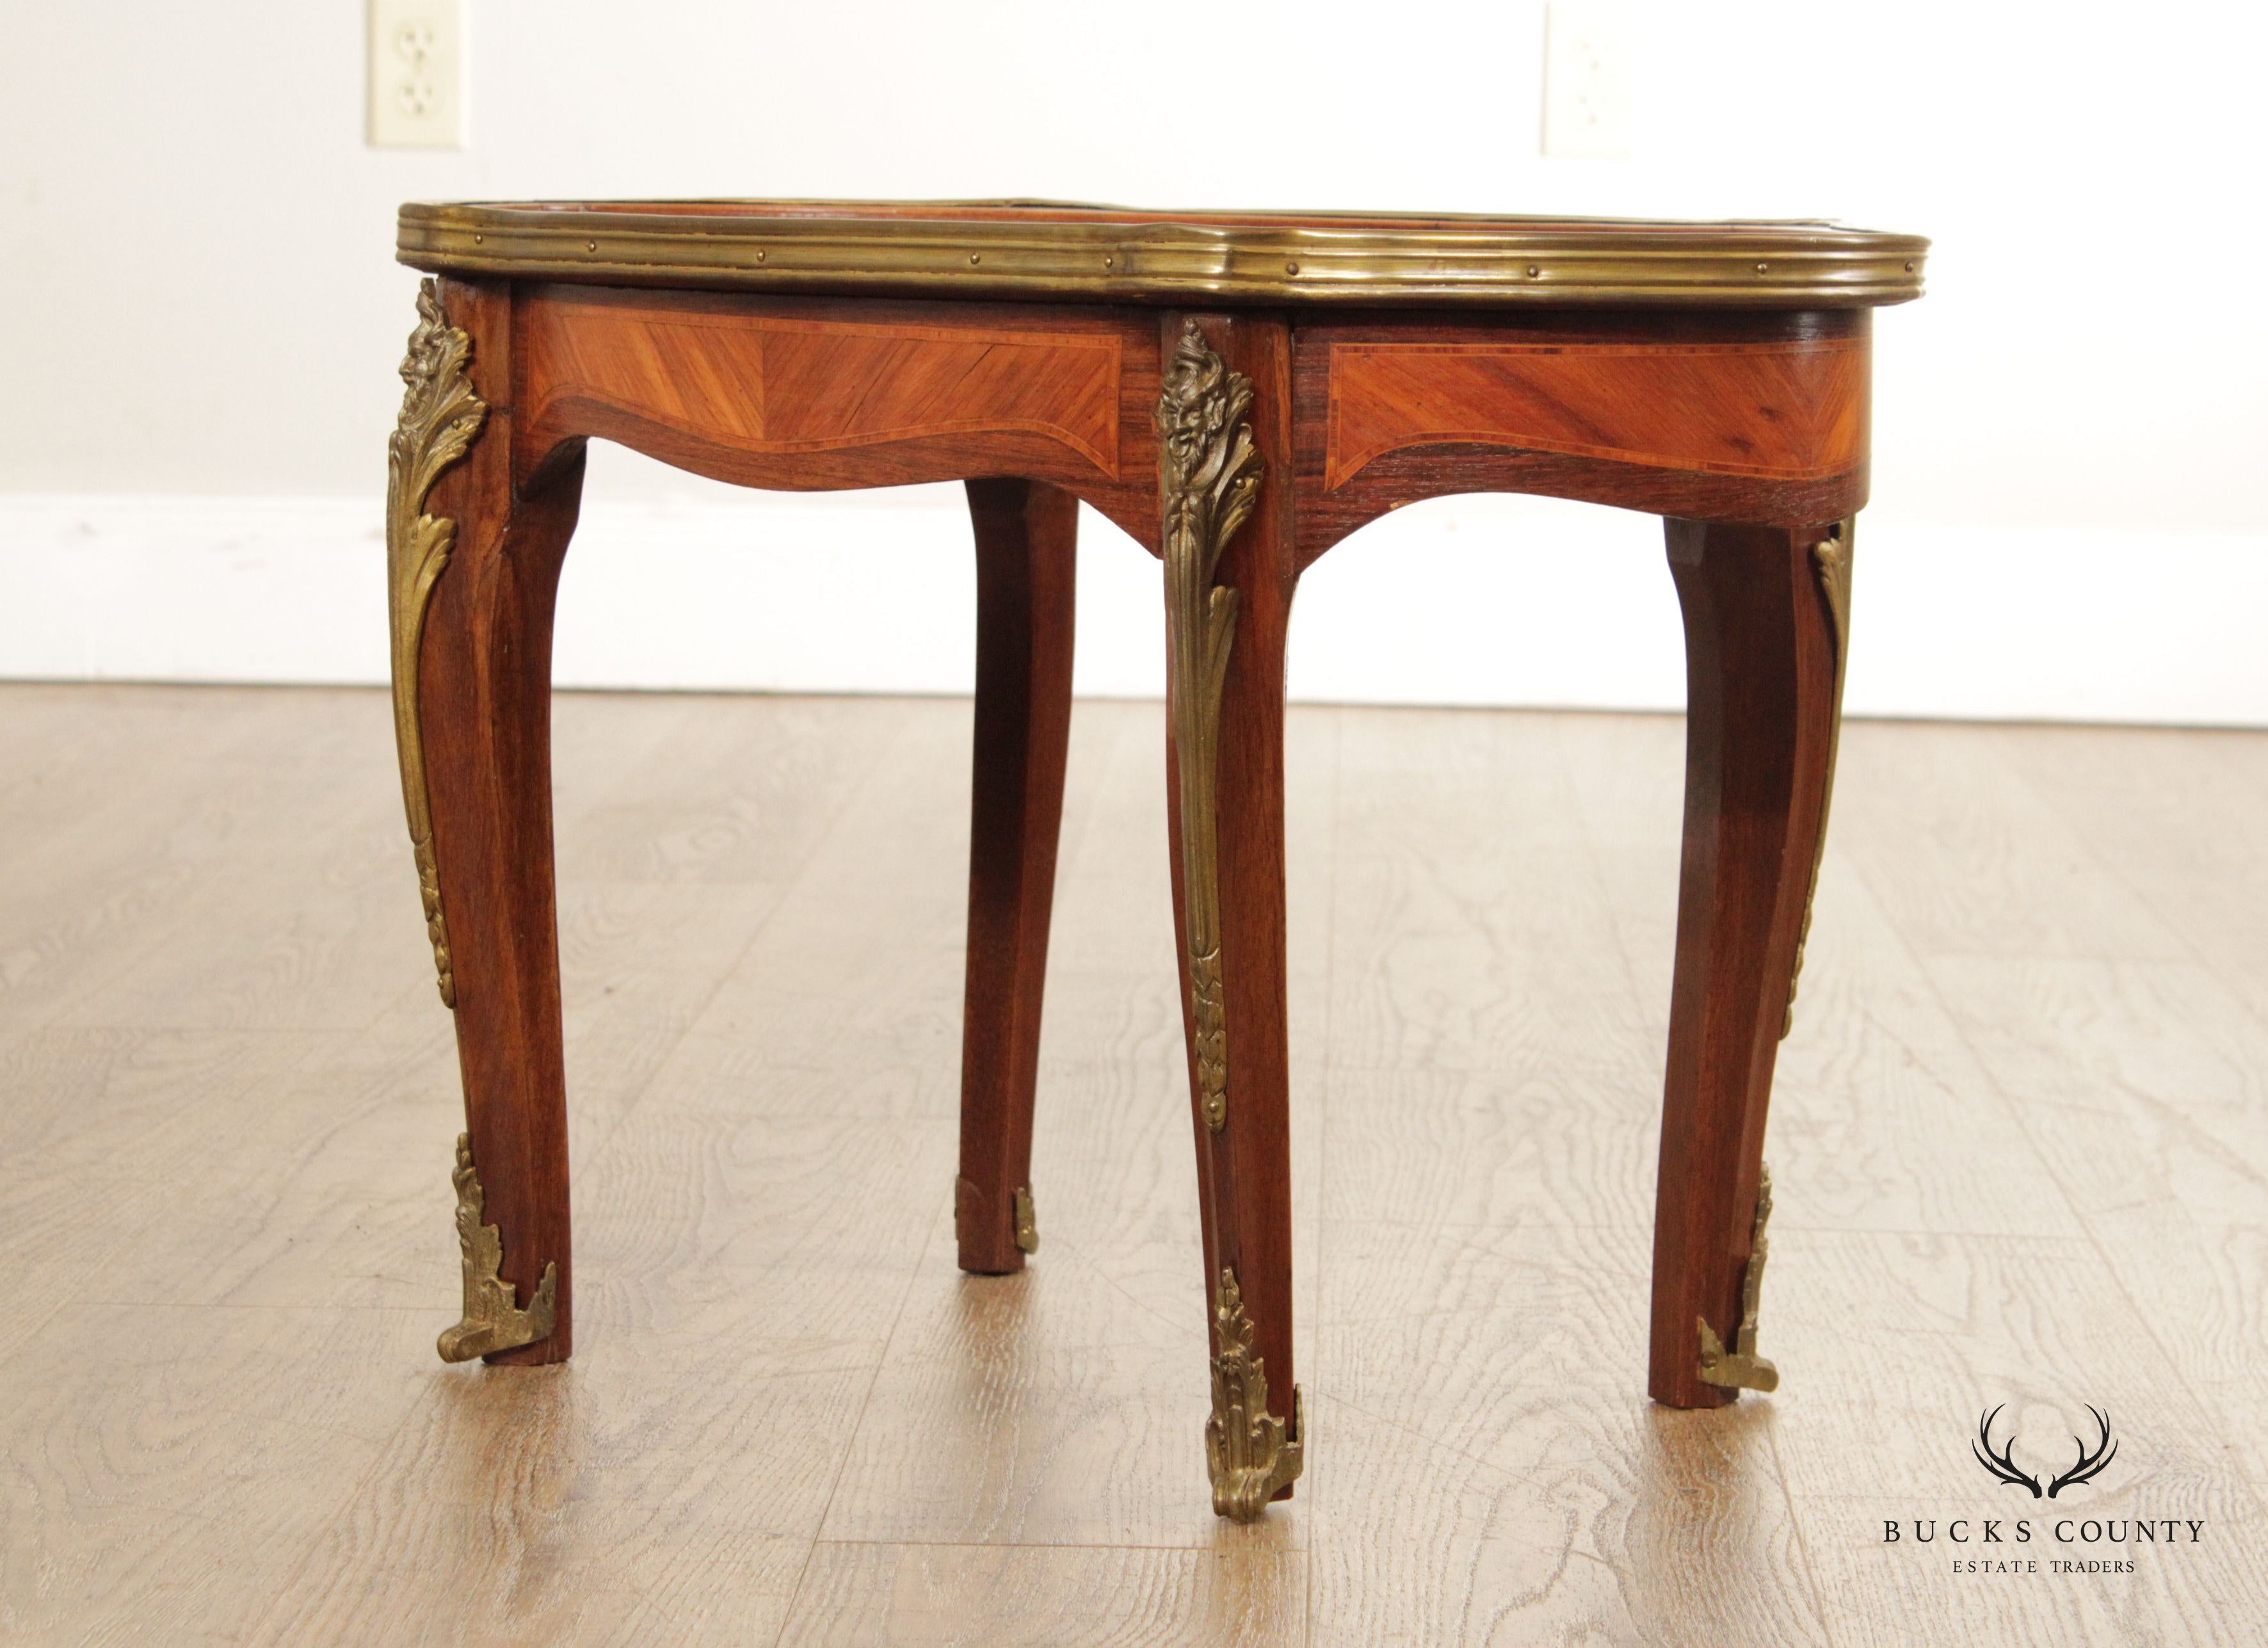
(1586, 73)
(417, 74)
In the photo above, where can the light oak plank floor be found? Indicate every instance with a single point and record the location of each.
(2021, 1147)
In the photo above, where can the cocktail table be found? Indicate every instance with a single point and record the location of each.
(1239, 391)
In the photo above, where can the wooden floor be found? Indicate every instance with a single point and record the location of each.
(2021, 1154)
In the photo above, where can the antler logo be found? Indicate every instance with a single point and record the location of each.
(2003, 1465)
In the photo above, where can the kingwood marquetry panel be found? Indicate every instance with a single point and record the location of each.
(774, 384)
(1778, 411)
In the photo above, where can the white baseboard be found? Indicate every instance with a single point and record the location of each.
(1465, 601)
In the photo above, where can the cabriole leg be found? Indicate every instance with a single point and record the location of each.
(1027, 545)
(473, 569)
(1228, 540)
(1766, 615)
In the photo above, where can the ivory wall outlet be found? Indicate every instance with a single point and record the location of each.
(417, 74)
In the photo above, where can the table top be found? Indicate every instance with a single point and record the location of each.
(1051, 250)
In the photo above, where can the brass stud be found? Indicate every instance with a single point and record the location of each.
(1109, 262)
(1533, 271)
(1762, 267)
(479, 238)
(1909, 266)
(975, 257)
(590, 246)
(759, 254)
(1291, 269)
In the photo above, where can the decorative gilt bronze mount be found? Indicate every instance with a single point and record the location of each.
(1250, 1453)
(1831, 561)
(1741, 1369)
(493, 1320)
(1208, 481)
(440, 415)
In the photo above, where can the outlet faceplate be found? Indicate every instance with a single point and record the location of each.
(1586, 76)
(417, 74)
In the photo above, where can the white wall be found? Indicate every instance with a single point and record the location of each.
(204, 315)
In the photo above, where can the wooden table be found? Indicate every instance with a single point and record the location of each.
(1239, 393)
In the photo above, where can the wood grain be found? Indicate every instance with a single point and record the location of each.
(804, 394)
(863, 393)
(484, 690)
(2129, 1044)
(1005, 1596)
(118, 1489)
(2013, 877)
(1027, 567)
(2017, 1141)
(1525, 1498)
(1757, 417)
(2040, 1325)
(1762, 700)
(776, 384)
(2130, 798)
(1244, 1187)
(1471, 929)
(1780, 412)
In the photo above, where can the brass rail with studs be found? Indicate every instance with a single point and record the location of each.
(1065, 252)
